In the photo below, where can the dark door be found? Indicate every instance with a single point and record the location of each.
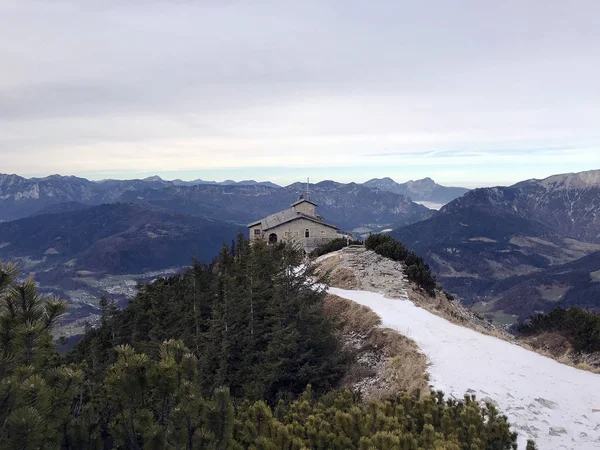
(272, 238)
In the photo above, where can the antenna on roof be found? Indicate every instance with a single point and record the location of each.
(307, 188)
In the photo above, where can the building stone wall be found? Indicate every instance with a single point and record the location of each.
(306, 208)
(292, 226)
(256, 232)
(295, 232)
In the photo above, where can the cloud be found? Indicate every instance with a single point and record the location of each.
(150, 86)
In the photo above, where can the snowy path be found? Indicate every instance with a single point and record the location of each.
(557, 405)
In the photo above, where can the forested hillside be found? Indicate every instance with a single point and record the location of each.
(253, 320)
(112, 238)
(233, 355)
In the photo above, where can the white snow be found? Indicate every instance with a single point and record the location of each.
(430, 205)
(556, 405)
(32, 193)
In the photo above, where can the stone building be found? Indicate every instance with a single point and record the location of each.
(299, 224)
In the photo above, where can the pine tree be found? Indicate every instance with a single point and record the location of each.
(36, 397)
(531, 445)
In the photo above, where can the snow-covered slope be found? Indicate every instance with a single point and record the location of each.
(556, 405)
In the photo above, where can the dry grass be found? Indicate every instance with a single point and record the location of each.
(438, 305)
(327, 263)
(500, 334)
(557, 347)
(352, 316)
(404, 367)
(441, 306)
(343, 278)
(340, 277)
(583, 362)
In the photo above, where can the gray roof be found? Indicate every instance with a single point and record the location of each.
(302, 200)
(285, 216)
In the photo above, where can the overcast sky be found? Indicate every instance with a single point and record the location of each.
(467, 92)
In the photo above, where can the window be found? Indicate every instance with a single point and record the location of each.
(296, 234)
(256, 232)
(307, 233)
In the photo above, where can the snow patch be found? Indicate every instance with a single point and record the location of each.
(32, 193)
(482, 239)
(544, 400)
(430, 205)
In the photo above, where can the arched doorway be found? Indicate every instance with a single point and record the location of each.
(272, 238)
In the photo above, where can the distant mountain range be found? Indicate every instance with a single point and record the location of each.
(85, 239)
(485, 245)
(509, 250)
(348, 206)
(225, 183)
(425, 190)
(20, 197)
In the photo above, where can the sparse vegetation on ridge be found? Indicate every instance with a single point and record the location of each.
(581, 327)
(416, 269)
(571, 336)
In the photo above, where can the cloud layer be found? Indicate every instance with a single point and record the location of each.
(164, 86)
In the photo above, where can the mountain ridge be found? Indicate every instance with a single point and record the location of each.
(489, 235)
(349, 206)
(425, 189)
